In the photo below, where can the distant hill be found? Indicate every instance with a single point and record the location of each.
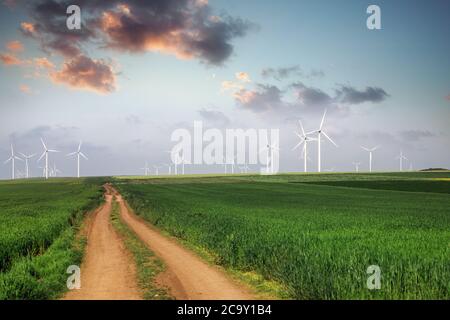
(434, 169)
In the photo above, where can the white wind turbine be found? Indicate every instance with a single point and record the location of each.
(27, 157)
(55, 171)
(45, 153)
(146, 169)
(13, 159)
(271, 149)
(157, 169)
(356, 164)
(78, 153)
(401, 157)
(319, 136)
(304, 139)
(370, 151)
(178, 160)
(169, 168)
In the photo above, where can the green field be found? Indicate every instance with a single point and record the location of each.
(315, 234)
(38, 222)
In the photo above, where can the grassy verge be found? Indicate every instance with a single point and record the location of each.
(147, 264)
(44, 276)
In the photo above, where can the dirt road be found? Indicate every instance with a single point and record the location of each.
(187, 276)
(107, 271)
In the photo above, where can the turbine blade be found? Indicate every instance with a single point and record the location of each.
(52, 150)
(17, 158)
(365, 149)
(301, 126)
(323, 119)
(71, 154)
(326, 136)
(79, 146)
(43, 143)
(43, 154)
(6, 161)
(82, 154)
(297, 145)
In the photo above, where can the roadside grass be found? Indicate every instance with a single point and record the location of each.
(148, 266)
(39, 222)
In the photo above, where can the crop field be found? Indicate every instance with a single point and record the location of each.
(314, 234)
(38, 221)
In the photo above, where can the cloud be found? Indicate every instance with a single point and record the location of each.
(43, 63)
(415, 135)
(83, 72)
(133, 119)
(14, 46)
(350, 95)
(263, 98)
(291, 71)
(231, 85)
(298, 98)
(25, 89)
(9, 59)
(243, 76)
(215, 117)
(10, 3)
(310, 96)
(183, 28)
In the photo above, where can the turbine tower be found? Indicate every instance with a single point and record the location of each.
(304, 139)
(370, 151)
(78, 153)
(356, 164)
(319, 132)
(401, 157)
(45, 153)
(146, 169)
(271, 149)
(27, 157)
(13, 159)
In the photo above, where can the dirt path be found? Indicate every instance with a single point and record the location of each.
(188, 277)
(108, 271)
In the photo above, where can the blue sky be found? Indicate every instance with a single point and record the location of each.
(157, 92)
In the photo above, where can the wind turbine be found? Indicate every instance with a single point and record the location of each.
(370, 151)
(169, 168)
(43, 171)
(45, 153)
(356, 166)
(27, 157)
(156, 169)
(401, 157)
(78, 153)
(179, 160)
(304, 139)
(319, 136)
(13, 159)
(271, 149)
(146, 169)
(55, 171)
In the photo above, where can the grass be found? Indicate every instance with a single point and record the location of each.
(38, 226)
(316, 234)
(148, 265)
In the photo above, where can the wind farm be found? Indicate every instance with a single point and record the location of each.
(223, 150)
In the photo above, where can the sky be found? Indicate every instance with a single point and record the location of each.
(138, 70)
